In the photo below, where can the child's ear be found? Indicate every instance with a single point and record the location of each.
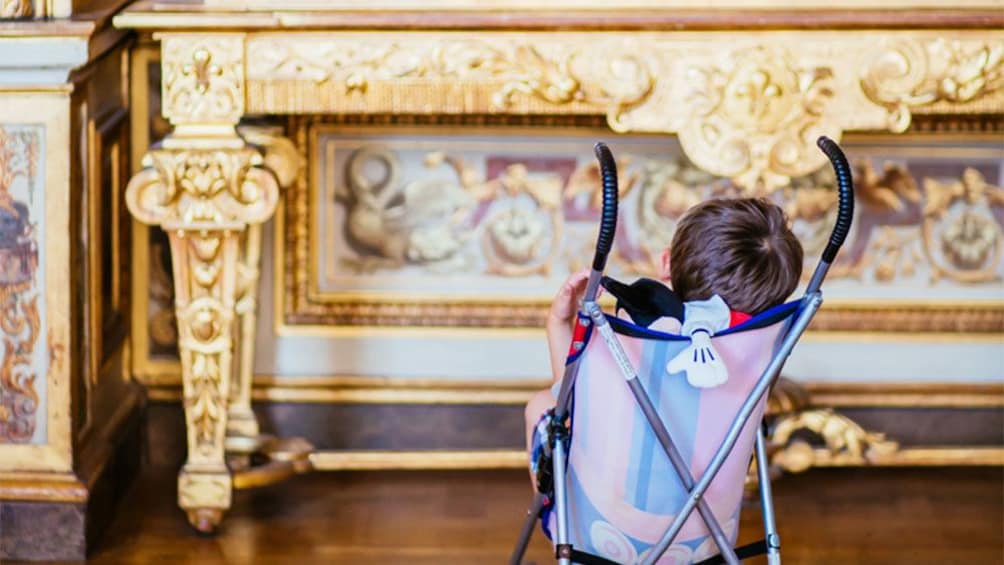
(664, 265)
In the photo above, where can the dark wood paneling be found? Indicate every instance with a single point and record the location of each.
(934, 426)
(398, 426)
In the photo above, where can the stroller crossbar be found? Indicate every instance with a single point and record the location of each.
(582, 518)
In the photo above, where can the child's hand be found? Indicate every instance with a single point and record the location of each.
(566, 302)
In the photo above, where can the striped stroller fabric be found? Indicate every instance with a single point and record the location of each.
(623, 491)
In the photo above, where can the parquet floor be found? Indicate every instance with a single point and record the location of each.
(914, 516)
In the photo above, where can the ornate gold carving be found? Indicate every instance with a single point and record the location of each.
(16, 9)
(933, 76)
(959, 221)
(195, 189)
(944, 227)
(20, 323)
(281, 155)
(843, 440)
(203, 78)
(204, 199)
(756, 116)
(986, 319)
(746, 109)
(609, 76)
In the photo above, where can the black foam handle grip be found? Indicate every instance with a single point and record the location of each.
(845, 187)
(608, 220)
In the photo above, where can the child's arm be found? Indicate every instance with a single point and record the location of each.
(559, 320)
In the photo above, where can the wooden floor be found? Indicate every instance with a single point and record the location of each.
(825, 516)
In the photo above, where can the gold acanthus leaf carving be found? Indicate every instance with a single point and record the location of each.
(202, 186)
(609, 77)
(203, 78)
(913, 74)
(205, 336)
(756, 116)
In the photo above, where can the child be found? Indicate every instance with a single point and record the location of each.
(740, 251)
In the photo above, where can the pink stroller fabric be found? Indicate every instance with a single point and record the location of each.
(623, 492)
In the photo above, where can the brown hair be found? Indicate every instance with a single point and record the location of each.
(738, 248)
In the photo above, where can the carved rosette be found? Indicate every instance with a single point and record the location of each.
(934, 76)
(962, 234)
(203, 78)
(756, 116)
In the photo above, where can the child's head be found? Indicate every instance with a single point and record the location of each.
(740, 249)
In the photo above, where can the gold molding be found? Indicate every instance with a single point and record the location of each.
(42, 487)
(324, 460)
(379, 390)
(589, 5)
(417, 460)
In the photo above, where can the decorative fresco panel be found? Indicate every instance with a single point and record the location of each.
(454, 222)
(23, 360)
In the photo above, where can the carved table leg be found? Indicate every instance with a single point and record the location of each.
(205, 275)
(206, 193)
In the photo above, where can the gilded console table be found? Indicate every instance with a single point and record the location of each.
(746, 105)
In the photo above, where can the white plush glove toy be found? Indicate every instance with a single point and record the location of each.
(700, 361)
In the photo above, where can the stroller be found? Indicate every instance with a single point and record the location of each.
(620, 450)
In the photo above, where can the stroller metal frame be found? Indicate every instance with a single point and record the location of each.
(558, 440)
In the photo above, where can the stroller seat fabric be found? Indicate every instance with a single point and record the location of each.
(623, 491)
